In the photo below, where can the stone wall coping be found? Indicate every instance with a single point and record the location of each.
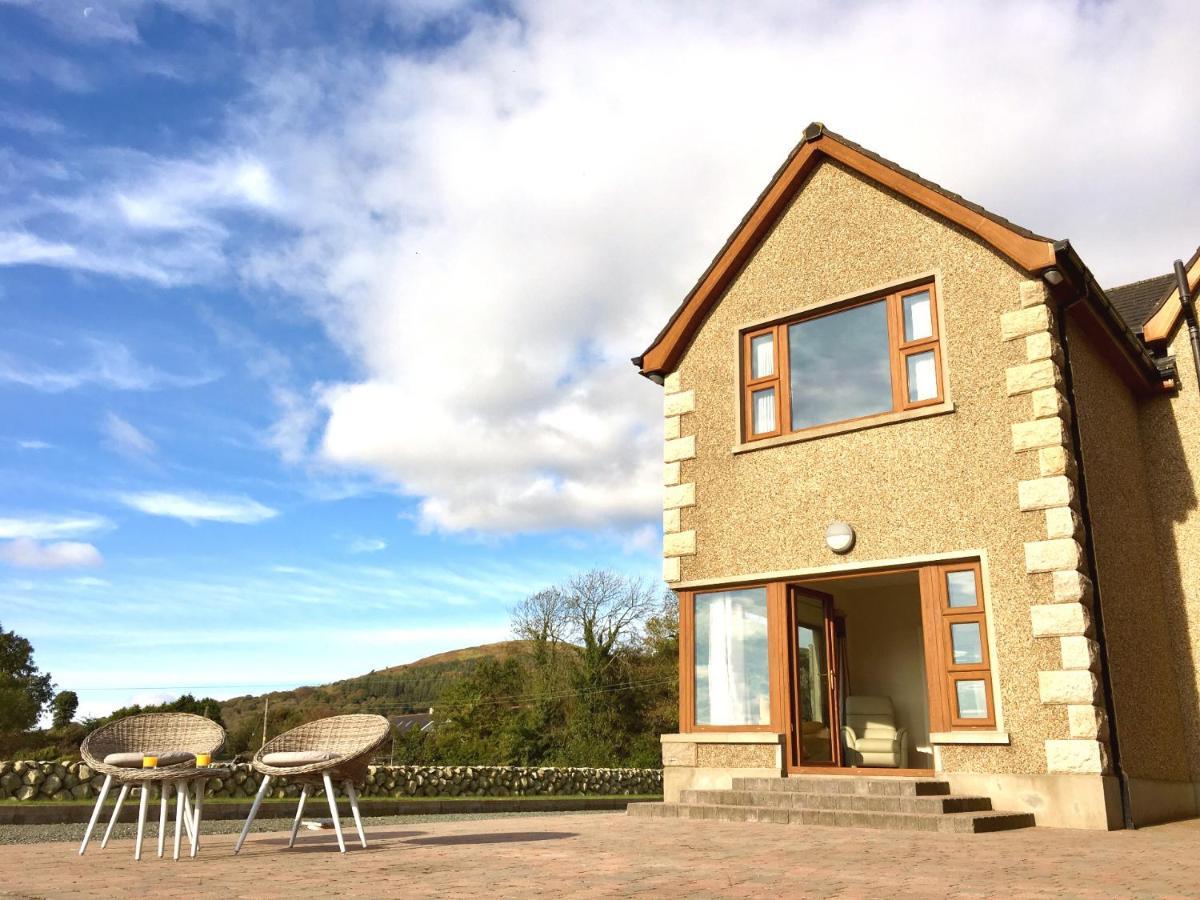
(969, 737)
(724, 737)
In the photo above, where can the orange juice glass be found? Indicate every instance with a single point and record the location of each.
(149, 762)
(203, 759)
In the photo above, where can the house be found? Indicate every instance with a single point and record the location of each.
(930, 505)
(421, 723)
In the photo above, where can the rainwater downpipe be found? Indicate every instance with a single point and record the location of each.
(1189, 312)
(1089, 548)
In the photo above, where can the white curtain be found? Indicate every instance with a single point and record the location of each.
(764, 411)
(731, 658)
(726, 684)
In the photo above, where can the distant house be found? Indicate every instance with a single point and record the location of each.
(930, 504)
(422, 722)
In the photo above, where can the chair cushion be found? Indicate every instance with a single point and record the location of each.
(284, 759)
(875, 745)
(134, 760)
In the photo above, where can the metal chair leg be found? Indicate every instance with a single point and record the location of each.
(141, 828)
(124, 792)
(164, 800)
(299, 813)
(87, 835)
(333, 811)
(196, 809)
(180, 797)
(258, 798)
(353, 795)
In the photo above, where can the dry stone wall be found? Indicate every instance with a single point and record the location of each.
(28, 780)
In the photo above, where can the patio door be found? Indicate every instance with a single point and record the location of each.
(814, 728)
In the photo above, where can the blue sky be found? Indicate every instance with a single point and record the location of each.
(317, 317)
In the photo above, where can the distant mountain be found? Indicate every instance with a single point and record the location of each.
(412, 687)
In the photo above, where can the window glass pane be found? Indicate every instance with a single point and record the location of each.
(960, 588)
(839, 366)
(918, 317)
(972, 699)
(762, 411)
(966, 643)
(922, 376)
(762, 356)
(732, 680)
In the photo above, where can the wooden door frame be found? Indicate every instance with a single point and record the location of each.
(794, 739)
(790, 766)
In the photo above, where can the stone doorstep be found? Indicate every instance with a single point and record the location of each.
(937, 805)
(817, 784)
(954, 823)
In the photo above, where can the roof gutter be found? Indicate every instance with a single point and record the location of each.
(1087, 287)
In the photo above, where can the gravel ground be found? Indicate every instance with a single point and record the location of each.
(43, 834)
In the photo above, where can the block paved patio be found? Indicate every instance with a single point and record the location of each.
(610, 855)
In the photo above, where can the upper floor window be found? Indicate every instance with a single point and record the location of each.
(871, 357)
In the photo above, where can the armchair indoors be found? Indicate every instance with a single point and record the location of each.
(870, 736)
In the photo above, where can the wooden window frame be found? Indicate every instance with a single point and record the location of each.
(942, 673)
(687, 659)
(899, 351)
(752, 385)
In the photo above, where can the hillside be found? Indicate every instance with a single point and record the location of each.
(412, 687)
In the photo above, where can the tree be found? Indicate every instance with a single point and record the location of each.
(24, 691)
(65, 705)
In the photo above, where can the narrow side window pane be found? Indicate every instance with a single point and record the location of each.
(840, 366)
(966, 643)
(960, 589)
(732, 672)
(762, 355)
(972, 699)
(922, 377)
(762, 412)
(918, 317)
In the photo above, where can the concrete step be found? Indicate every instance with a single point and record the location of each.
(956, 822)
(847, 784)
(936, 805)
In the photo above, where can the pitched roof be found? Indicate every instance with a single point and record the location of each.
(1138, 299)
(1160, 324)
(1028, 250)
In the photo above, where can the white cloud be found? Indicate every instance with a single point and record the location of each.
(29, 554)
(366, 545)
(88, 581)
(34, 445)
(109, 364)
(29, 122)
(126, 439)
(194, 507)
(491, 230)
(44, 528)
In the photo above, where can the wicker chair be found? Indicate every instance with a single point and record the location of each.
(151, 733)
(318, 754)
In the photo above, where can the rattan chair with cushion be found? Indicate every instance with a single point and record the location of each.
(318, 754)
(115, 750)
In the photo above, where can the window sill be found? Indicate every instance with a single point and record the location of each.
(822, 431)
(723, 737)
(969, 737)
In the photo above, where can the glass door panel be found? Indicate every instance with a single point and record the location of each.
(813, 679)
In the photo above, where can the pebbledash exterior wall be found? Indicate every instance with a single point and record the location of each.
(1170, 442)
(991, 476)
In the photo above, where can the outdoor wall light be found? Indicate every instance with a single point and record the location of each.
(1053, 277)
(839, 537)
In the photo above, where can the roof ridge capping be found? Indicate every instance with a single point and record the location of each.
(1028, 250)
